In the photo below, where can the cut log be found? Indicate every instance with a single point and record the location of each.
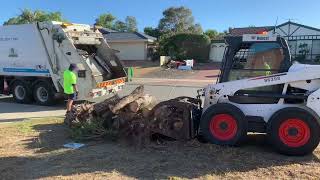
(145, 112)
(101, 108)
(146, 101)
(137, 93)
(135, 117)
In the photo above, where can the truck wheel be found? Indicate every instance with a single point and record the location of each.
(22, 92)
(224, 124)
(1, 85)
(293, 131)
(43, 93)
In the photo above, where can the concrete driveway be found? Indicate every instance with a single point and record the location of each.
(11, 111)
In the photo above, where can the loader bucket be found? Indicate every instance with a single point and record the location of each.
(176, 118)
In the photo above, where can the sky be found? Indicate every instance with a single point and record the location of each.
(211, 14)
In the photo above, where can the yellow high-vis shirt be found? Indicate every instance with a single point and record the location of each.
(69, 79)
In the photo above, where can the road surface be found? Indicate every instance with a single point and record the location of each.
(175, 82)
(10, 111)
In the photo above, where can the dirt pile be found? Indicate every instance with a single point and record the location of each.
(136, 117)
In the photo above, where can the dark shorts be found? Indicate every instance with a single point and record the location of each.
(71, 96)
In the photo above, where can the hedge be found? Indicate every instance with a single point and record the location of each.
(186, 46)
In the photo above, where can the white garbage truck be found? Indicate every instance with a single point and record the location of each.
(34, 56)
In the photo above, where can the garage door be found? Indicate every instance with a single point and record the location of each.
(130, 51)
(217, 52)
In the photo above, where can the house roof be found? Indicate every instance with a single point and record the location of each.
(255, 30)
(128, 36)
(297, 24)
(249, 30)
(106, 30)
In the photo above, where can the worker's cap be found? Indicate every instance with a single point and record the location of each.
(73, 67)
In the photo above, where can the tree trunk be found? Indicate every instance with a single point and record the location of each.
(145, 101)
(138, 92)
(102, 107)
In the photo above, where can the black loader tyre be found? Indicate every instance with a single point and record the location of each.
(44, 93)
(224, 124)
(294, 131)
(22, 92)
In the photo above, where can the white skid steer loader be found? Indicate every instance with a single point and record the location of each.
(260, 90)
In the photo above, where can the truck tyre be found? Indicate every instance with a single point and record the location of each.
(293, 131)
(43, 94)
(224, 124)
(22, 92)
(1, 85)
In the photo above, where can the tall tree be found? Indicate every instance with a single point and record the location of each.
(131, 23)
(212, 33)
(154, 32)
(178, 20)
(28, 16)
(197, 29)
(105, 20)
(120, 26)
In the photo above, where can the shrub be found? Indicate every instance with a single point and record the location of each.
(186, 46)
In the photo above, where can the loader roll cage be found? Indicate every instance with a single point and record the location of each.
(251, 59)
(248, 59)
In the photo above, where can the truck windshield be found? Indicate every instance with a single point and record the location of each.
(256, 59)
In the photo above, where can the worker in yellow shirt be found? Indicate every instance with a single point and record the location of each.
(70, 85)
(267, 68)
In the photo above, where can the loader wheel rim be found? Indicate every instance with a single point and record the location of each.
(223, 127)
(294, 132)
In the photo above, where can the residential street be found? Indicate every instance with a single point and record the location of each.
(11, 111)
(175, 82)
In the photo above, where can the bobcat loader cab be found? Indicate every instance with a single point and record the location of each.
(245, 56)
(261, 91)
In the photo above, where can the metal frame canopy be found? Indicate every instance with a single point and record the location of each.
(235, 43)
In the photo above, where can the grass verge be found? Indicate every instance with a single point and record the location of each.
(33, 149)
